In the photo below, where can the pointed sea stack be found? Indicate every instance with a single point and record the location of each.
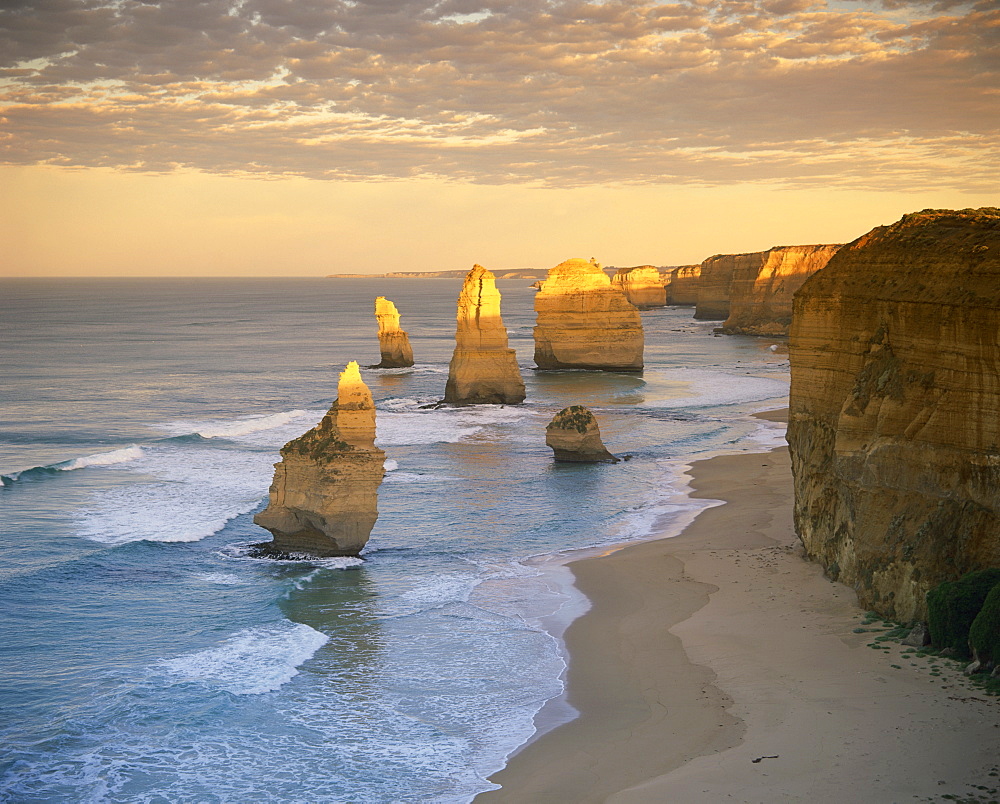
(574, 436)
(393, 342)
(324, 496)
(643, 286)
(584, 322)
(483, 369)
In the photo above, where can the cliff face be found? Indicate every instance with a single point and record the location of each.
(584, 322)
(716, 278)
(393, 342)
(683, 285)
(324, 496)
(760, 296)
(895, 408)
(483, 369)
(642, 286)
(573, 436)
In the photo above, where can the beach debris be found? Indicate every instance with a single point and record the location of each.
(918, 637)
(759, 759)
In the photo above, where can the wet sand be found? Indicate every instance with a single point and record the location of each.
(720, 665)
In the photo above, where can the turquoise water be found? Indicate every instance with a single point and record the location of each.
(145, 657)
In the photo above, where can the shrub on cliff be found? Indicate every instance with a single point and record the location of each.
(953, 605)
(984, 634)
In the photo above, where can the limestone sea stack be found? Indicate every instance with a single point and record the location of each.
(715, 279)
(483, 369)
(642, 286)
(584, 322)
(895, 408)
(393, 342)
(324, 496)
(682, 288)
(573, 435)
(760, 295)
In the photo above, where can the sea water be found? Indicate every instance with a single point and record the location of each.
(146, 657)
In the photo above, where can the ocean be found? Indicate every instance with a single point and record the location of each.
(147, 658)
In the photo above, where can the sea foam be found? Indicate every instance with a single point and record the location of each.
(251, 662)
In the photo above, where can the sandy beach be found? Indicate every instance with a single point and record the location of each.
(720, 665)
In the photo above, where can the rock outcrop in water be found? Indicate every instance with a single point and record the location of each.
(642, 286)
(682, 288)
(324, 496)
(393, 342)
(761, 290)
(483, 369)
(573, 435)
(584, 322)
(717, 274)
(895, 408)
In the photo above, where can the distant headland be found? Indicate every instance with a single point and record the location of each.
(459, 274)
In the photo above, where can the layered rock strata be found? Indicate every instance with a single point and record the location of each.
(483, 369)
(573, 436)
(760, 295)
(682, 287)
(584, 322)
(324, 497)
(895, 408)
(393, 342)
(642, 286)
(716, 277)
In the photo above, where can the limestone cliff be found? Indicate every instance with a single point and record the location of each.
(642, 286)
(895, 408)
(717, 274)
(483, 368)
(760, 296)
(682, 287)
(324, 496)
(393, 342)
(584, 322)
(573, 435)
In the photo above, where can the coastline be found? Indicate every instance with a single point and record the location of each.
(719, 664)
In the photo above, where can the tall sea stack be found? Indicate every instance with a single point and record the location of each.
(324, 496)
(895, 408)
(393, 342)
(643, 286)
(483, 369)
(584, 322)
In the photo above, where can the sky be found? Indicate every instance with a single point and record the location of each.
(309, 137)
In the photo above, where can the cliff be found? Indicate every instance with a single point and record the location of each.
(456, 274)
(895, 408)
(583, 322)
(682, 287)
(573, 436)
(323, 500)
(393, 342)
(716, 278)
(483, 369)
(642, 286)
(760, 296)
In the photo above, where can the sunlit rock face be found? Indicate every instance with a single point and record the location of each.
(717, 274)
(895, 408)
(573, 436)
(393, 342)
(642, 286)
(324, 497)
(483, 368)
(584, 322)
(682, 287)
(760, 294)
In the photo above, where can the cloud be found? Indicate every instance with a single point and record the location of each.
(555, 92)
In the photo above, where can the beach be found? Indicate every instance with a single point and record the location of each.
(720, 665)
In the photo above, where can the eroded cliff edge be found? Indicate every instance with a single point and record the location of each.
(895, 408)
(324, 497)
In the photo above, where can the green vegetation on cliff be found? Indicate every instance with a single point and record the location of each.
(953, 606)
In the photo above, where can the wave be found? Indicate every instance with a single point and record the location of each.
(110, 458)
(707, 388)
(252, 661)
(244, 426)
